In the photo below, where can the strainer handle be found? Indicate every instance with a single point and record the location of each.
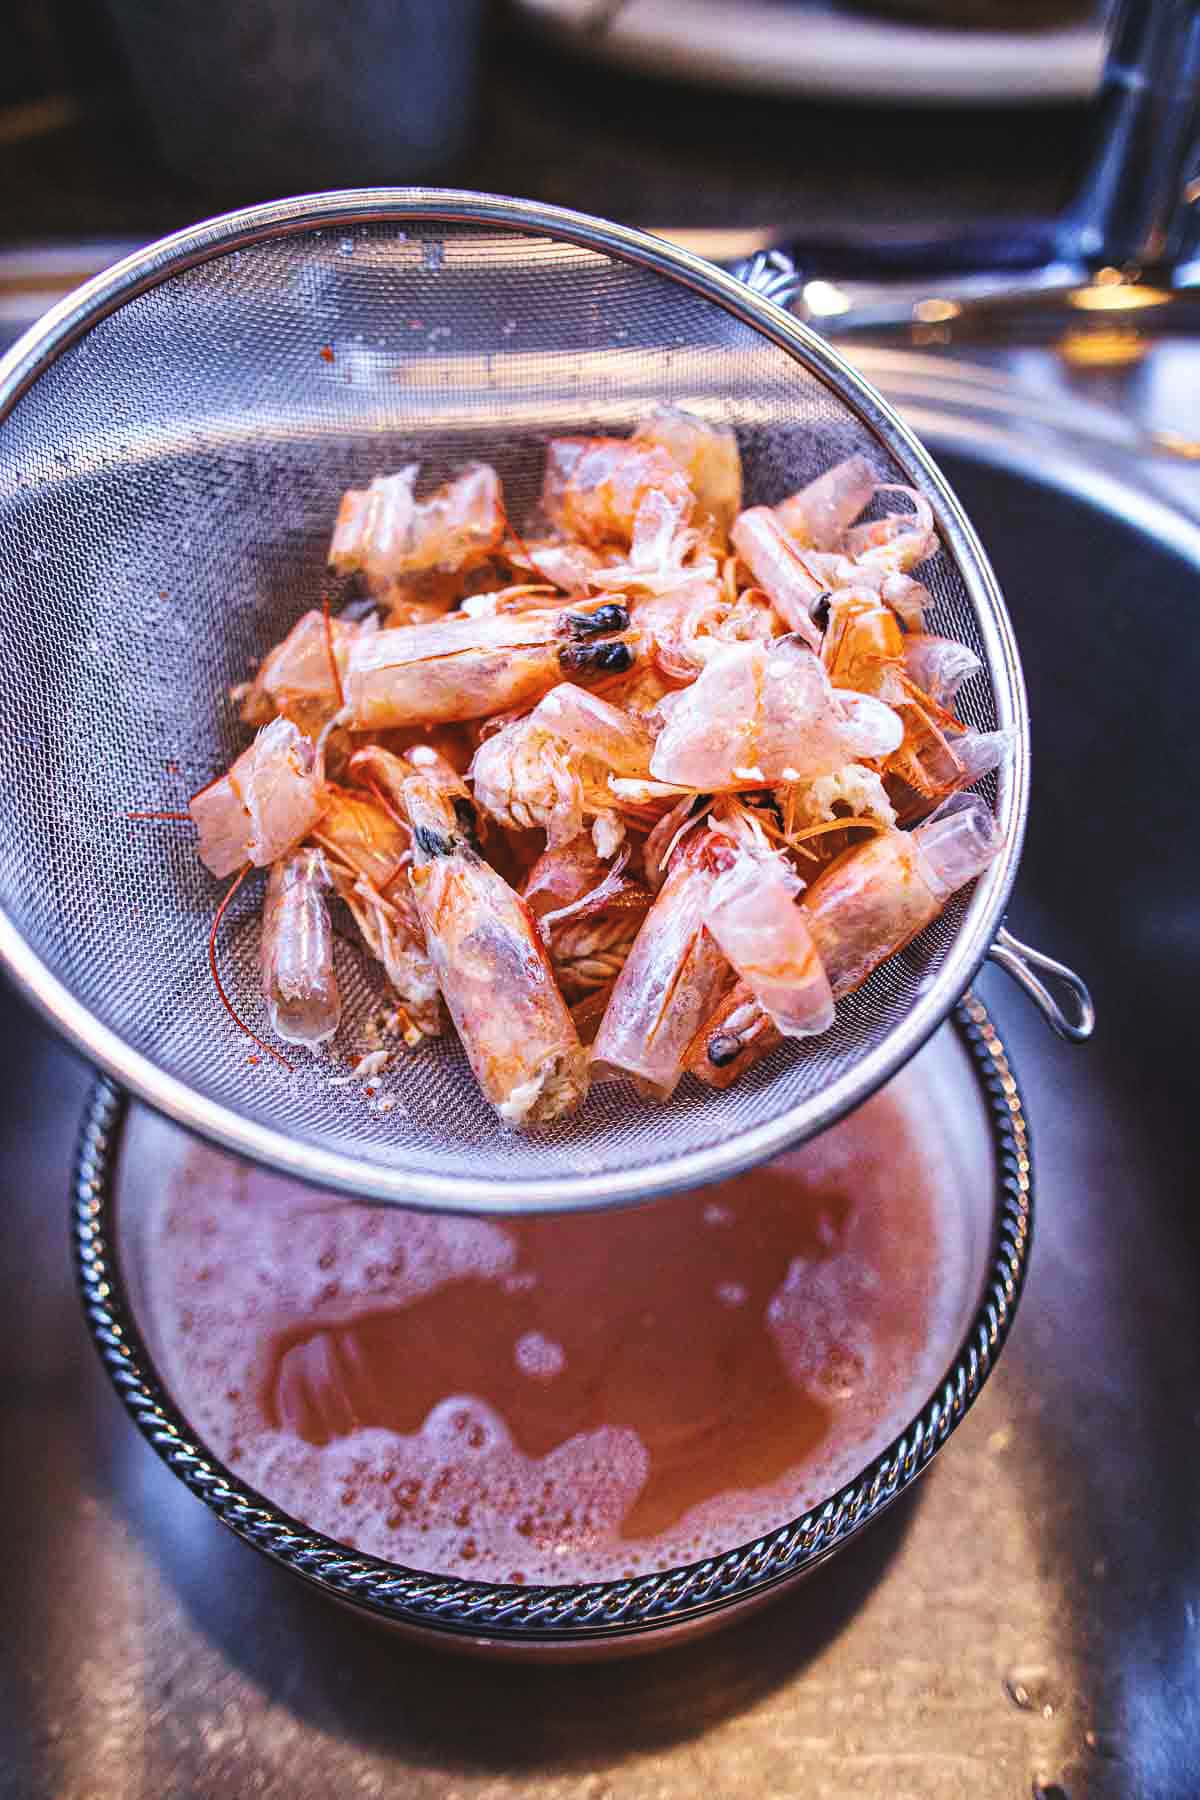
(1027, 966)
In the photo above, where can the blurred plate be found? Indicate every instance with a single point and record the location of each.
(782, 46)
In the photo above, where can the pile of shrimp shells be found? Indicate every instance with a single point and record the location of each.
(632, 795)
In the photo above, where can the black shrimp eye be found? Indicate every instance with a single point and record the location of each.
(431, 843)
(606, 618)
(820, 609)
(615, 658)
(722, 1050)
(611, 659)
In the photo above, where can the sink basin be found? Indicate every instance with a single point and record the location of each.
(1063, 1651)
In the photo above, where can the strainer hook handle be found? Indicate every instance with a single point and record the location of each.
(1027, 966)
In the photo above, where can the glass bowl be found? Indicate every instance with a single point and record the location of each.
(122, 1166)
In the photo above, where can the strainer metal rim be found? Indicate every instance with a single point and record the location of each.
(74, 316)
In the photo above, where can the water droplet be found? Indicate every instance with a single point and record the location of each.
(1103, 1743)
(717, 1214)
(731, 1293)
(1018, 1693)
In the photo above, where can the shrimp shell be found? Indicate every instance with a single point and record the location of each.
(463, 668)
(818, 516)
(738, 1035)
(366, 852)
(562, 876)
(863, 646)
(861, 910)
(620, 741)
(753, 915)
(939, 666)
(391, 930)
(899, 541)
(356, 831)
(493, 969)
(525, 779)
(671, 980)
(764, 713)
(779, 570)
(389, 535)
(707, 454)
(589, 914)
(296, 678)
(687, 628)
(264, 805)
(296, 951)
(875, 898)
(594, 487)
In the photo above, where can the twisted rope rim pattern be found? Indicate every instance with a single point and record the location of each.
(578, 1611)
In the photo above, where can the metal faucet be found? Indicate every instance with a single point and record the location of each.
(1134, 223)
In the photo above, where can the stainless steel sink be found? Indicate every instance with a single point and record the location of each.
(1032, 1615)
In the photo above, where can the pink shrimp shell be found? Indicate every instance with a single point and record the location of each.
(670, 983)
(264, 805)
(752, 913)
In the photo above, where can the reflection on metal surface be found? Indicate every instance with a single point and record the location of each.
(824, 300)
(1116, 296)
(1030, 400)
(935, 312)
(1176, 444)
(1114, 347)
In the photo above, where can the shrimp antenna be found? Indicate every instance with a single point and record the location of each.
(212, 963)
(522, 546)
(183, 817)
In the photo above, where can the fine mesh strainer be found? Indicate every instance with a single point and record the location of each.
(175, 440)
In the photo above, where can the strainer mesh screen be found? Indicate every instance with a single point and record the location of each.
(167, 489)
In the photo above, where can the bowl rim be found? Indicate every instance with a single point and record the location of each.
(75, 315)
(568, 1613)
